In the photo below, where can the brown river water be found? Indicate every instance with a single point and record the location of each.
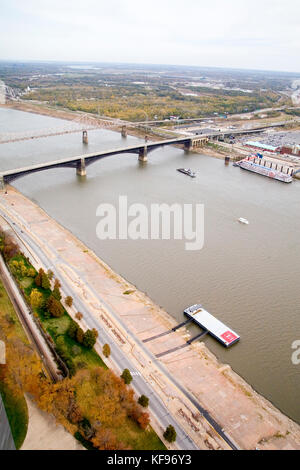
(248, 276)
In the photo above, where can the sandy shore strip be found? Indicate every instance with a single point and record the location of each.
(247, 417)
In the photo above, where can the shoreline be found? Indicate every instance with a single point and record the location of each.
(264, 425)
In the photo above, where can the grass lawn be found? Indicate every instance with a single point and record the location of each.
(138, 439)
(15, 404)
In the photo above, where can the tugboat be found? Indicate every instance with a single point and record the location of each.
(187, 171)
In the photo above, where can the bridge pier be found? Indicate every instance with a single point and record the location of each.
(80, 167)
(2, 183)
(85, 139)
(124, 131)
(143, 154)
(188, 145)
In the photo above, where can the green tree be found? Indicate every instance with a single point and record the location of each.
(106, 350)
(89, 339)
(50, 274)
(143, 401)
(72, 330)
(56, 293)
(170, 434)
(126, 376)
(45, 281)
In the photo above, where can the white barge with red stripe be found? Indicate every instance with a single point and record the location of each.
(214, 327)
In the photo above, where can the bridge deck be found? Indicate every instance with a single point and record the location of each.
(90, 156)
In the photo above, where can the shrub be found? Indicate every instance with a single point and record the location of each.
(106, 350)
(126, 376)
(170, 434)
(69, 301)
(143, 401)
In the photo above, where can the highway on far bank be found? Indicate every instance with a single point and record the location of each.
(118, 356)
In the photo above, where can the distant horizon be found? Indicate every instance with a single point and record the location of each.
(99, 62)
(260, 35)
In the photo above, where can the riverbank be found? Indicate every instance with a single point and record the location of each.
(247, 417)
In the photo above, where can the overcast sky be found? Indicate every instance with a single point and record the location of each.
(257, 34)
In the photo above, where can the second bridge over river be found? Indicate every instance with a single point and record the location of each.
(82, 161)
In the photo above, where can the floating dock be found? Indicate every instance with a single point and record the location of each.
(214, 327)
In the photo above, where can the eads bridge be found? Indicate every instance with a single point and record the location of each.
(81, 162)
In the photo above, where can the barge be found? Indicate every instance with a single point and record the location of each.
(250, 165)
(212, 325)
(187, 171)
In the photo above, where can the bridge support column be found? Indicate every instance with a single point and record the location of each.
(85, 139)
(2, 183)
(188, 145)
(143, 155)
(124, 131)
(80, 168)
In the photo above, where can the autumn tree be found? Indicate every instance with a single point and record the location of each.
(143, 420)
(54, 307)
(79, 316)
(39, 278)
(126, 376)
(106, 350)
(36, 299)
(57, 284)
(79, 335)
(170, 434)
(50, 274)
(69, 301)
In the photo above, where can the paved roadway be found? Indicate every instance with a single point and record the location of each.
(139, 382)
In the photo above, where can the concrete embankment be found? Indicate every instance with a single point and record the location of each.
(247, 417)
